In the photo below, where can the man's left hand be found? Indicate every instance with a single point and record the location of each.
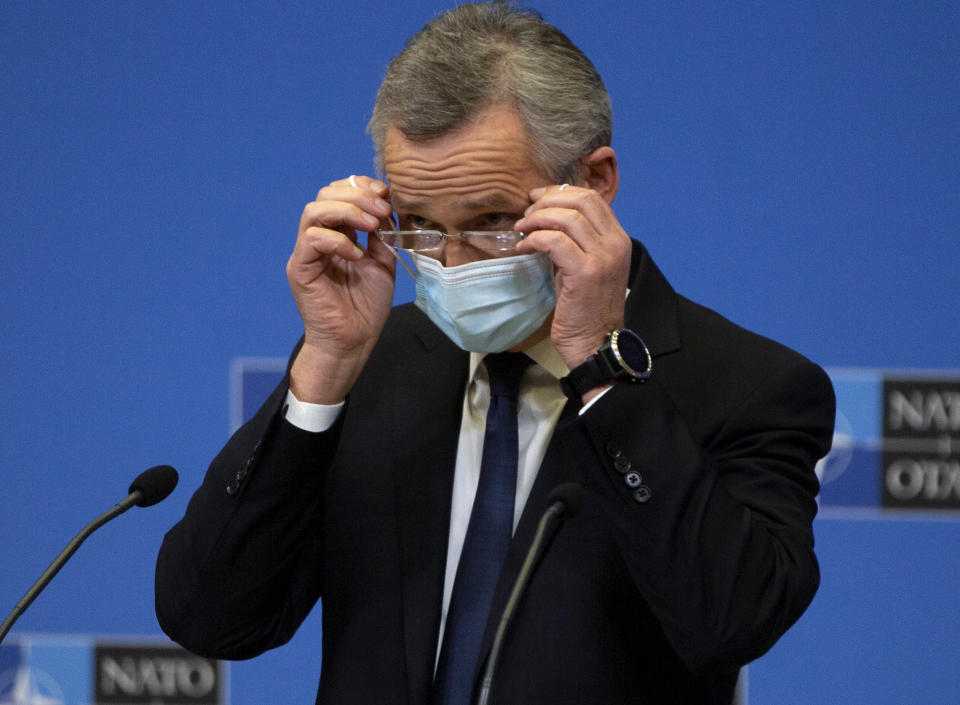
(576, 227)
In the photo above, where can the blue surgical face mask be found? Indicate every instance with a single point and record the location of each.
(490, 305)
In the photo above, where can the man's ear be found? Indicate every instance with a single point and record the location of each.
(598, 170)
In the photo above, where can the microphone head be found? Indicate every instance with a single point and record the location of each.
(571, 494)
(154, 485)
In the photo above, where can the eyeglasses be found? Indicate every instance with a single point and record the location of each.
(432, 243)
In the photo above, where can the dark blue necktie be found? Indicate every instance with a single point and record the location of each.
(488, 533)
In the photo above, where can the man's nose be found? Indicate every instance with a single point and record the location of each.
(458, 251)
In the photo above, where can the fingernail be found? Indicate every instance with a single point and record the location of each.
(383, 206)
(371, 220)
(537, 192)
(378, 187)
(357, 251)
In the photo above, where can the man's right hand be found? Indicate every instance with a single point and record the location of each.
(344, 293)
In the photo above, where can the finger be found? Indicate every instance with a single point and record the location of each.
(380, 252)
(359, 182)
(316, 244)
(568, 221)
(365, 182)
(563, 251)
(576, 249)
(585, 200)
(541, 190)
(365, 199)
(554, 190)
(364, 192)
(338, 215)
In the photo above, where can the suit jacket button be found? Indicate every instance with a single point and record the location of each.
(233, 487)
(632, 479)
(622, 465)
(612, 450)
(642, 494)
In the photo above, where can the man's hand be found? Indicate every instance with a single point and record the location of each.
(344, 293)
(591, 252)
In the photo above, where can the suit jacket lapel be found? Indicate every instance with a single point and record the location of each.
(425, 422)
(652, 306)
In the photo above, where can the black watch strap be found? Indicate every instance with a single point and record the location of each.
(623, 356)
(583, 378)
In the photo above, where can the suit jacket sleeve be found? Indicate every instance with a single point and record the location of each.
(722, 547)
(242, 569)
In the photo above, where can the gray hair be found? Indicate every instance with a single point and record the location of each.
(482, 54)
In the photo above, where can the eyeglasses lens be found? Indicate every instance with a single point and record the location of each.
(431, 243)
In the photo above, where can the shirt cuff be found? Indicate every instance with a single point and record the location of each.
(593, 401)
(310, 417)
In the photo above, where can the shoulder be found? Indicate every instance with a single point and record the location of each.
(708, 337)
(694, 346)
(706, 332)
(723, 371)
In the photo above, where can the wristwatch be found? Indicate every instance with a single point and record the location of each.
(623, 356)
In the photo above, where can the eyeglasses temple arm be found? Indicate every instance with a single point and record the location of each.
(393, 251)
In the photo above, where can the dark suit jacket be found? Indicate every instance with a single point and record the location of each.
(632, 603)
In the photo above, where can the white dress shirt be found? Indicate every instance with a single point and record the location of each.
(540, 403)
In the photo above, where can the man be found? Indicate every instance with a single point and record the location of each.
(363, 481)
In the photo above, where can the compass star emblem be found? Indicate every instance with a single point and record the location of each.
(29, 686)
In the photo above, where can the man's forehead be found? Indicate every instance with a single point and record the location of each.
(472, 184)
(483, 165)
(470, 151)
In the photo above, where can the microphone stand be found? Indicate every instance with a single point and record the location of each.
(118, 509)
(548, 522)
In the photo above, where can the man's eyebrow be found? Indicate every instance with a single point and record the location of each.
(399, 203)
(492, 200)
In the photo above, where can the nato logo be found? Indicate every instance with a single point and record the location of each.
(921, 450)
(23, 682)
(896, 445)
(29, 686)
(151, 674)
(39, 670)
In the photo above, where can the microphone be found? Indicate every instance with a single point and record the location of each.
(152, 486)
(566, 501)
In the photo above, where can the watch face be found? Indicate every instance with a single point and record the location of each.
(632, 352)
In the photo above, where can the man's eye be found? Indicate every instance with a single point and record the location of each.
(415, 222)
(496, 221)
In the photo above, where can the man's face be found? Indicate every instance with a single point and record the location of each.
(476, 178)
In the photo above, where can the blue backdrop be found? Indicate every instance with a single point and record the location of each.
(792, 165)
